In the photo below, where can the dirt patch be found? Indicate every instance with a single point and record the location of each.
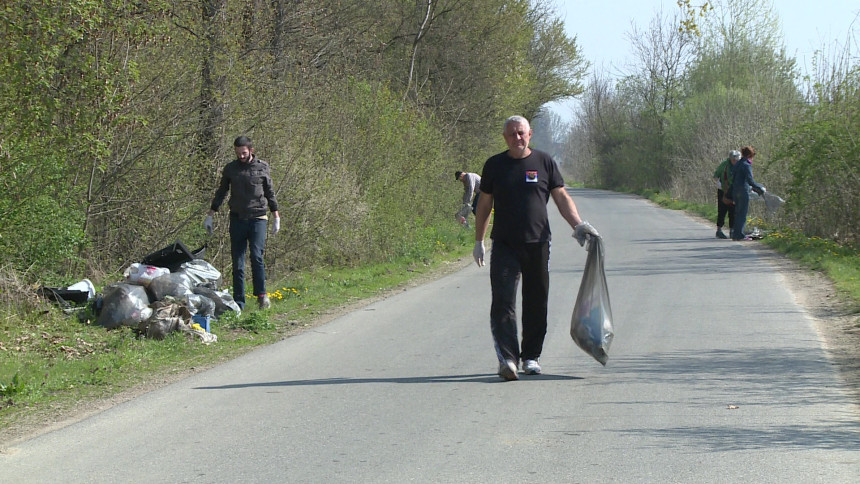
(837, 326)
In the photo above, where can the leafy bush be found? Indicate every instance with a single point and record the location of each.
(822, 152)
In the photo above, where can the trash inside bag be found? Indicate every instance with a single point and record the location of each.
(223, 300)
(591, 322)
(124, 305)
(175, 284)
(143, 274)
(202, 272)
(198, 304)
(167, 317)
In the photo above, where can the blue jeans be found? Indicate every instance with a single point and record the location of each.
(507, 264)
(742, 205)
(246, 233)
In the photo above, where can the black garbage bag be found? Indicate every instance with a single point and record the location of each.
(123, 305)
(175, 284)
(223, 300)
(591, 322)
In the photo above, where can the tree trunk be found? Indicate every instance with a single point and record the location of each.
(212, 88)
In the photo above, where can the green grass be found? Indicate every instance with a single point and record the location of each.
(841, 264)
(51, 362)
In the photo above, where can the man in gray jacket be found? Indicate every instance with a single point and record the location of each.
(251, 197)
(471, 182)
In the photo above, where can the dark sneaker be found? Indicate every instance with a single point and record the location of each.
(720, 234)
(508, 370)
(263, 301)
(531, 367)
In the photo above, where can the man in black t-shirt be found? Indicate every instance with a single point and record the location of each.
(518, 184)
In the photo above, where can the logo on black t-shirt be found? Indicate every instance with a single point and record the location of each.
(531, 176)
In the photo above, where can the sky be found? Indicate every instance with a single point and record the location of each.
(601, 29)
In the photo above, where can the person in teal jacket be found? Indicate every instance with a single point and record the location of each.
(742, 183)
(723, 180)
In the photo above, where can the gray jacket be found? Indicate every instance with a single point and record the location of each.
(473, 181)
(250, 187)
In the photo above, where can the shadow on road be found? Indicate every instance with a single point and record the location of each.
(476, 378)
(832, 436)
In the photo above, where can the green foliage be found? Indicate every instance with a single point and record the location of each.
(256, 321)
(667, 125)
(13, 388)
(692, 15)
(126, 118)
(822, 153)
(65, 76)
(39, 236)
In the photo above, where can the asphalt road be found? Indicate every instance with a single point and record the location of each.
(405, 389)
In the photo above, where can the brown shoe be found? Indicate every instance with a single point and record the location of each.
(263, 301)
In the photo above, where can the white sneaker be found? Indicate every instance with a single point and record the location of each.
(508, 370)
(263, 301)
(531, 367)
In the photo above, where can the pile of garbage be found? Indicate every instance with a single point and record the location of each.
(172, 289)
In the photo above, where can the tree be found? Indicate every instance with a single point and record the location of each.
(691, 14)
(740, 90)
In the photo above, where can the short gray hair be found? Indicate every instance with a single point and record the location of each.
(516, 119)
(735, 155)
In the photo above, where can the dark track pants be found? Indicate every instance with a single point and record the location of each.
(507, 264)
(723, 210)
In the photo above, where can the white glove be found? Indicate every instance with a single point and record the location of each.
(276, 225)
(763, 189)
(478, 253)
(207, 224)
(464, 211)
(583, 231)
(718, 184)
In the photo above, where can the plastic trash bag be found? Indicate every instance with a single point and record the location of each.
(124, 305)
(175, 284)
(464, 211)
(84, 285)
(199, 304)
(201, 272)
(223, 300)
(591, 322)
(771, 202)
(143, 274)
